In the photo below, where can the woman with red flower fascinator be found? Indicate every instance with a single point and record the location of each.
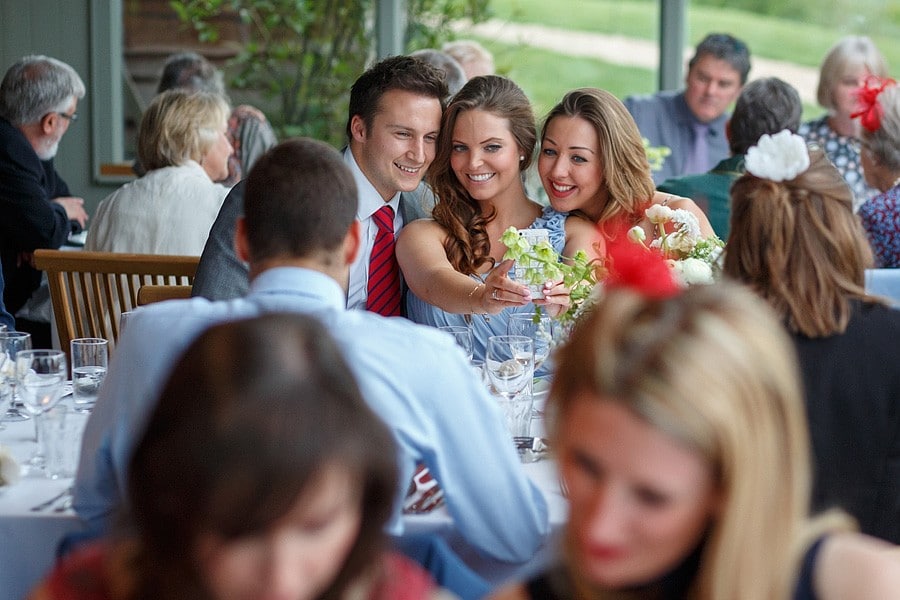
(880, 117)
(844, 70)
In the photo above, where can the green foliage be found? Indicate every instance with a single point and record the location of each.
(303, 55)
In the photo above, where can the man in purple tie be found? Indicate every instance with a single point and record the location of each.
(691, 122)
(393, 122)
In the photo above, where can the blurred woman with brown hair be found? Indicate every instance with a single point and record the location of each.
(262, 473)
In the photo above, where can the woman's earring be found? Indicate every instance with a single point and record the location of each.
(521, 157)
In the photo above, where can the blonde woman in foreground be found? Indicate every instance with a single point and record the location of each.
(682, 446)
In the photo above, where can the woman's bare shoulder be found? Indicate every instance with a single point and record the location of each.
(858, 567)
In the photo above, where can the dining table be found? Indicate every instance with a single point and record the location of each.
(29, 538)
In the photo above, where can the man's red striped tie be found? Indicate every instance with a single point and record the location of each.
(384, 273)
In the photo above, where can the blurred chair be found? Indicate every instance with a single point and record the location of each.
(884, 282)
(90, 290)
(148, 294)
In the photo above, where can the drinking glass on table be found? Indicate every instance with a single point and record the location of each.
(509, 363)
(463, 337)
(536, 325)
(41, 375)
(11, 342)
(89, 361)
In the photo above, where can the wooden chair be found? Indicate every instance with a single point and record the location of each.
(90, 290)
(148, 294)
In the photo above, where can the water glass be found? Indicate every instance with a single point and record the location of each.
(40, 376)
(11, 342)
(462, 335)
(89, 361)
(539, 327)
(509, 363)
(61, 440)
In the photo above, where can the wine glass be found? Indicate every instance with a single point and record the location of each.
(41, 375)
(11, 342)
(536, 325)
(462, 335)
(509, 362)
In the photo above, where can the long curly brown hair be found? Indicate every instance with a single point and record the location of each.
(467, 244)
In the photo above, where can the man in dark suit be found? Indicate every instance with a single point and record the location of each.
(393, 122)
(38, 101)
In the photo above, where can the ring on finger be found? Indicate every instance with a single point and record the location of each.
(494, 294)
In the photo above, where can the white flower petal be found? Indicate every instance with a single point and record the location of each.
(779, 157)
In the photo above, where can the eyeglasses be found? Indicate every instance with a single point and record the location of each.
(73, 117)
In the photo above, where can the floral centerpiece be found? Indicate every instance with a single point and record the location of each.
(693, 258)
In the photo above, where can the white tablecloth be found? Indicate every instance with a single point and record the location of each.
(28, 539)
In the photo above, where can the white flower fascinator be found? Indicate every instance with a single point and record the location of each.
(778, 157)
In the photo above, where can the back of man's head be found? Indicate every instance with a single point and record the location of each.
(766, 105)
(724, 46)
(454, 75)
(190, 71)
(405, 73)
(299, 201)
(35, 86)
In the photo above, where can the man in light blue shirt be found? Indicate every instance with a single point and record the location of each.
(299, 235)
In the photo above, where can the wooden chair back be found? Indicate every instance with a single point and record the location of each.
(148, 294)
(91, 290)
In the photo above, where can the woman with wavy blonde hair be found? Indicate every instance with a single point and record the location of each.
(796, 242)
(593, 164)
(679, 427)
(454, 263)
(183, 146)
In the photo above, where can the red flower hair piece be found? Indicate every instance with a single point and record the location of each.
(869, 108)
(638, 268)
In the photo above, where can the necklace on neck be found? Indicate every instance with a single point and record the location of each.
(895, 184)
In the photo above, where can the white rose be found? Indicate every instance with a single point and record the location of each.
(779, 157)
(659, 214)
(695, 271)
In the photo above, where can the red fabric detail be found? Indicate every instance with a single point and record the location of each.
(384, 272)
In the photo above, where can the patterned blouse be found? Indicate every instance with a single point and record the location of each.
(843, 152)
(880, 217)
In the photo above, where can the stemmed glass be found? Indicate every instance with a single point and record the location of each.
(11, 342)
(509, 362)
(538, 327)
(462, 335)
(41, 375)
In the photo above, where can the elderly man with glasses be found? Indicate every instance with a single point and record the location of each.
(38, 99)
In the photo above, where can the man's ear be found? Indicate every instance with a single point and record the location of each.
(48, 122)
(241, 245)
(352, 242)
(358, 129)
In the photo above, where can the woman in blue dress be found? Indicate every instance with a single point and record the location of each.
(454, 263)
